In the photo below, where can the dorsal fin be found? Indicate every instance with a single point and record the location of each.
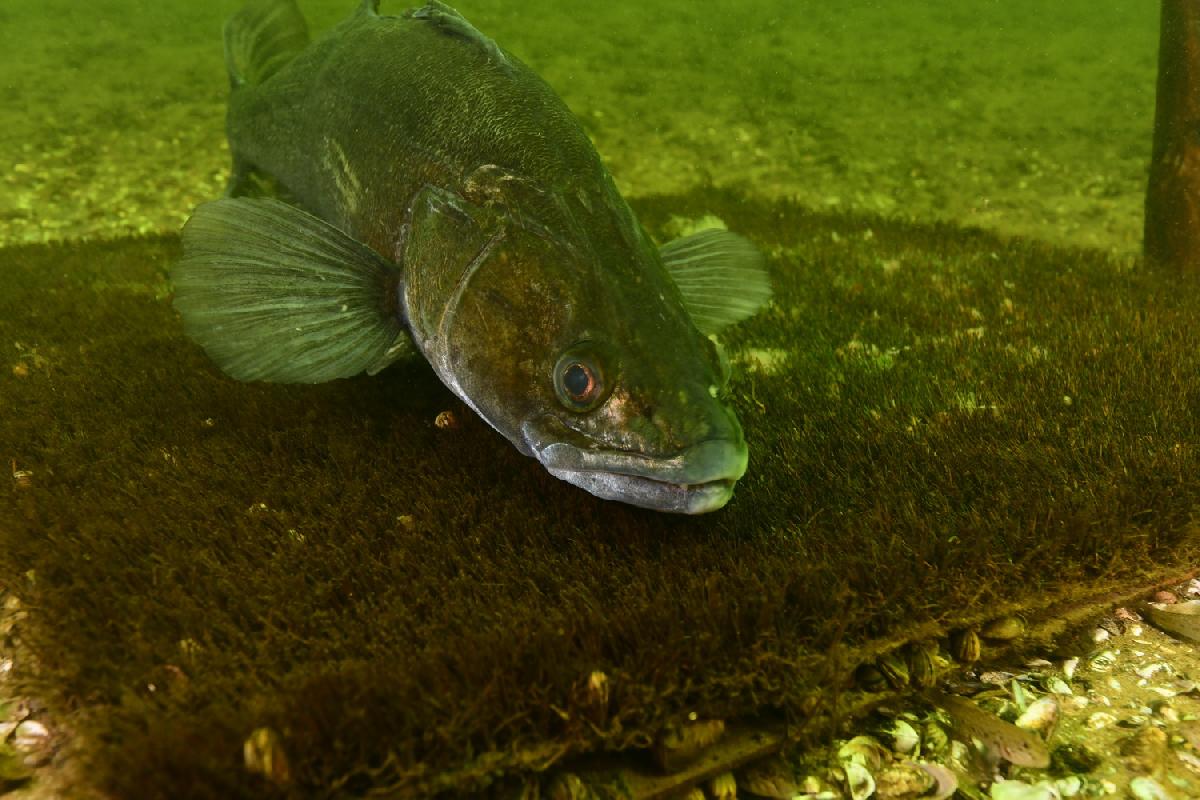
(261, 38)
(455, 24)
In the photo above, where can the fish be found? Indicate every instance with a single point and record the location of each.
(1018, 746)
(403, 187)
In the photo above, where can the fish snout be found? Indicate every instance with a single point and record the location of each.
(716, 459)
(696, 480)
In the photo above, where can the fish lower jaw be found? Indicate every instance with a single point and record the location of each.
(643, 492)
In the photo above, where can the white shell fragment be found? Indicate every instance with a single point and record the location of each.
(1019, 790)
(1069, 786)
(1058, 686)
(1150, 670)
(865, 752)
(1190, 760)
(1040, 716)
(30, 735)
(904, 737)
(944, 780)
(1144, 788)
(859, 781)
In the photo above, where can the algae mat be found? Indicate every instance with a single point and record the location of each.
(942, 424)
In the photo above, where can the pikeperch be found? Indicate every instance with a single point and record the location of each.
(405, 187)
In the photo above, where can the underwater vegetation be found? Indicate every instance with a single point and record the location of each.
(945, 425)
(224, 589)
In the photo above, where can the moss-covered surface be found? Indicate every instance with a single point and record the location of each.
(942, 425)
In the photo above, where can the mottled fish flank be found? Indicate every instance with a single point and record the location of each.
(1018, 746)
(403, 187)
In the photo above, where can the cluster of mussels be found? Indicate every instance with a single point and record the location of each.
(918, 665)
(1121, 719)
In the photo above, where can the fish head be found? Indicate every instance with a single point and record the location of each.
(641, 415)
(586, 359)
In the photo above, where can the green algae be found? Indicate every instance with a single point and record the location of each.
(414, 608)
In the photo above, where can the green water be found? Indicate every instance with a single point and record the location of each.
(943, 424)
(1024, 117)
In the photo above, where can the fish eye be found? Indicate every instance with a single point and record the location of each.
(578, 380)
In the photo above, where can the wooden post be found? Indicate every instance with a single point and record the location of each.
(1172, 227)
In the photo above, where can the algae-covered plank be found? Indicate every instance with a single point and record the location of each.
(741, 744)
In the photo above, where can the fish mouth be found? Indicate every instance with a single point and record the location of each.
(697, 480)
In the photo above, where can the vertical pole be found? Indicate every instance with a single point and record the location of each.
(1172, 226)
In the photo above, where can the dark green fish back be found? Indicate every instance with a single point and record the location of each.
(416, 99)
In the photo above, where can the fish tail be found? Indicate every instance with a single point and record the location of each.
(261, 38)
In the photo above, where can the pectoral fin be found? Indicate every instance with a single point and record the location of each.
(722, 277)
(275, 294)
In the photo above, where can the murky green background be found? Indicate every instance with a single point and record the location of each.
(1022, 116)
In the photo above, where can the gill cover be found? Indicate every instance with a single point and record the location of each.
(482, 305)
